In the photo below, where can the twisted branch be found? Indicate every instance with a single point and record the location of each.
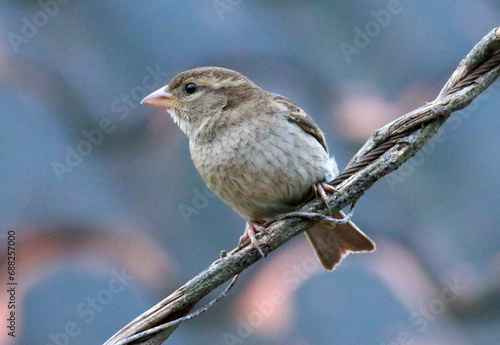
(384, 152)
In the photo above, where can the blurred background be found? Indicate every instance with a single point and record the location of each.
(110, 215)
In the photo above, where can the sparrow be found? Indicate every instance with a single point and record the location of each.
(259, 152)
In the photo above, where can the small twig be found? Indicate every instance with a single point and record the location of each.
(314, 216)
(165, 326)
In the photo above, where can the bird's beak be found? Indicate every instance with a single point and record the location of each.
(161, 98)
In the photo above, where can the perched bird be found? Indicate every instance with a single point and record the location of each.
(259, 152)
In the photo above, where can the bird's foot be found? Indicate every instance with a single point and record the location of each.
(320, 190)
(251, 229)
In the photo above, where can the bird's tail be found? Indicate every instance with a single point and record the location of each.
(332, 242)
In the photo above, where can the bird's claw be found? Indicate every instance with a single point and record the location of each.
(251, 229)
(320, 190)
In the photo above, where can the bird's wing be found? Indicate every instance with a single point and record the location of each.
(304, 121)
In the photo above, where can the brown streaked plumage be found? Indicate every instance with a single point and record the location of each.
(259, 152)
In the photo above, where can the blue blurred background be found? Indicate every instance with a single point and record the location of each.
(111, 216)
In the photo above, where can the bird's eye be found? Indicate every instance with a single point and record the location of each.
(191, 88)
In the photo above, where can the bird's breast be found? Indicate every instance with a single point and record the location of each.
(262, 173)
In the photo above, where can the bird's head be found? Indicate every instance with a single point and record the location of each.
(198, 98)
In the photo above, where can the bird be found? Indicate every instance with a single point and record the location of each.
(258, 152)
